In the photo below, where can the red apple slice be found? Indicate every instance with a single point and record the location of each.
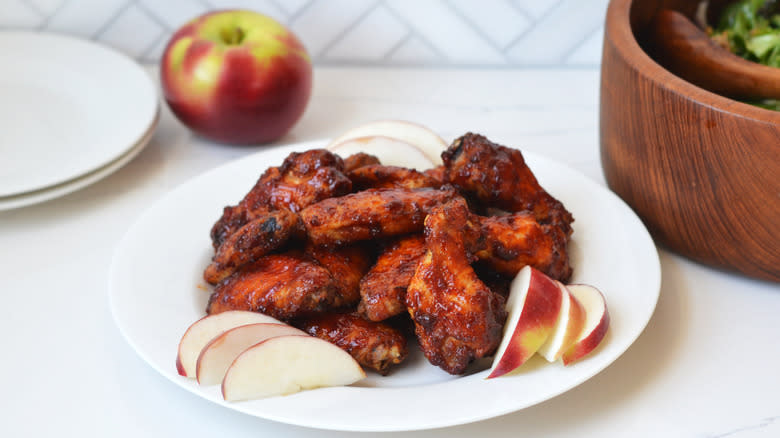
(390, 151)
(205, 329)
(415, 134)
(596, 322)
(567, 329)
(219, 353)
(288, 364)
(533, 307)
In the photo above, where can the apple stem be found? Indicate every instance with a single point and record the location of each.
(233, 35)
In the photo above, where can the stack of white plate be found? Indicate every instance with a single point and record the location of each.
(71, 113)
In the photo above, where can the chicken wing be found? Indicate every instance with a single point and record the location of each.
(457, 317)
(513, 241)
(498, 176)
(284, 286)
(371, 214)
(383, 288)
(347, 265)
(303, 179)
(377, 176)
(374, 345)
(252, 241)
(359, 159)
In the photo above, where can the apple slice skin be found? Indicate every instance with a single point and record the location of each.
(288, 364)
(593, 301)
(567, 329)
(205, 329)
(539, 310)
(220, 352)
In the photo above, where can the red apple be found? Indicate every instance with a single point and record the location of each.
(533, 307)
(236, 76)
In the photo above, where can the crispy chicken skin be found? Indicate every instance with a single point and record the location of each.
(383, 289)
(370, 214)
(512, 241)
(436, 173)
(359, 159)
(347, 265)
(303, 179)
(374, 345)
(498, 176)
(252, 241)
(284, 286)
(377, 176)
(457, 317)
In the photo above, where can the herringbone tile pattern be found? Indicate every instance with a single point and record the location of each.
(491, 33)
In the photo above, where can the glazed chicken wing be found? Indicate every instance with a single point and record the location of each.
(383, 289)
(513, 241)
(374, 345)
(377, 176)
(252, 241)
(359, 159)
(498, 176)
(284, 286)
(347, 265)
(303, 179)
(370, 214)
(457, 317)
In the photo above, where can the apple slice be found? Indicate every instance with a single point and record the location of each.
(390, 151)
(533, 308)
(596, 322)
(415, 134)
(288, 364)
(567, 329)
(205, 329)
(219, 353)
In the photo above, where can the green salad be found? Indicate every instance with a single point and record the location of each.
(751, 29)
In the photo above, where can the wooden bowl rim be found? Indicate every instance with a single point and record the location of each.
(618, 31)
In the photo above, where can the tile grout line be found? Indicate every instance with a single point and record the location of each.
(416, 34)
(579, 44)
(534, 25)
(102, 29)
(47, 19)
(463, 17)
(347, 29)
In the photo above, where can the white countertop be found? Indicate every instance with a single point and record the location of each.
(705, 366)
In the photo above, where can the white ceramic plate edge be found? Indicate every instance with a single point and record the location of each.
(80, 182)
(502, 391)
(132, 130)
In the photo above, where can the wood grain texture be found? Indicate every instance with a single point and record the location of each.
(687, 51)
(701, 170)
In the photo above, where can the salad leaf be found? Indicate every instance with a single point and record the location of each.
(751, 29)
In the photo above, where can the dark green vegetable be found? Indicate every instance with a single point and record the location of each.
(751, 29)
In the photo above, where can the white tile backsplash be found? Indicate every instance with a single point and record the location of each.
(490, 33)
(371, 39)
(16, 14)
(132, 21)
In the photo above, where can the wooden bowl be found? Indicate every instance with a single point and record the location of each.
(701, 170)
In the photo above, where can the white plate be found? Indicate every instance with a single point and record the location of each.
(62, 189)
(68, 107)
(156, 294)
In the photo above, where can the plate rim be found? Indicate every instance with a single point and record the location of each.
(247, 408)
(77, 183)
(147, 115)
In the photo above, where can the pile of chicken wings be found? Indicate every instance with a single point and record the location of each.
(366, 255)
